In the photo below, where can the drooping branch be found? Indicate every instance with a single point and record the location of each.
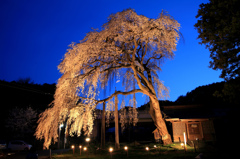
(116, 67)
(112, 95)
(120, 93)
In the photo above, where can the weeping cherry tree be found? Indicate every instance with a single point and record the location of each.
(129, 46)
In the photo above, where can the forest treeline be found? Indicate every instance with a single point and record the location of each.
(221, 94)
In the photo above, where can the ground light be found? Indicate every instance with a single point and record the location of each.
(87, 140)
(147, 149)
(111, 150)
(73, 148)
(126, 149)
(155, 146)
(182, 144)
(80, 147)
(85, 149)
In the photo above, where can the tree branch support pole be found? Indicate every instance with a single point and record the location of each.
(59, 133)
(116, 124)
(103, 128)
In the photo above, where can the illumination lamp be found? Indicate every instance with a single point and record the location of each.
(73, 147)
(155, 146)
(182, 144)
(85, 149)
(80, 147)
(111, 150)
(147, 148)
(126, 149)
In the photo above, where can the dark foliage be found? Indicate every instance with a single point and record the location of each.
(23, 94)
(202, 95)
(218, 28)
(222, 94)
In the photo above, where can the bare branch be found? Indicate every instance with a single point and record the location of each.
(108, 98)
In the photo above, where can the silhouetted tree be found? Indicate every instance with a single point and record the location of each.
(21, 121)
(26, 80)
(218, 28)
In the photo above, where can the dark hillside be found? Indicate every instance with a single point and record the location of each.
(203, 95)
(14, 94)
(220, 94)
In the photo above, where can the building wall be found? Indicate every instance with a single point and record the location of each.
(208, 130)
(178, 129)
(202, 130)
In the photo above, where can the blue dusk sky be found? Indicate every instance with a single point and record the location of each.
(34, 36)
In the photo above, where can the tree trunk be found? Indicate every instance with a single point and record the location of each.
(116, 124)
(103, 128)
(159, 122)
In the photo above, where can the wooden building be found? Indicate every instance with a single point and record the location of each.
(195, 129)
(195, 120)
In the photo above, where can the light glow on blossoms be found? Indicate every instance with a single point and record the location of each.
(129, 48)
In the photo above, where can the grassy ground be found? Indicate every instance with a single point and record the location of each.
(173, 151)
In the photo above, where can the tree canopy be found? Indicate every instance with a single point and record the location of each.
(218, 28)
(129, 47)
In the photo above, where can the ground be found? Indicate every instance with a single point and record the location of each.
(173, 151)
(135, 151)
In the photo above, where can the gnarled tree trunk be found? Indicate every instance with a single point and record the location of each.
(159, 122)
